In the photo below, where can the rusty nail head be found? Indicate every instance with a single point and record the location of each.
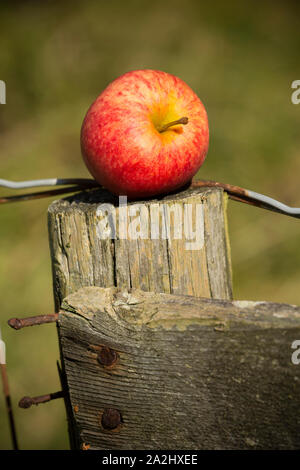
(107, 357)
(15, 323)
(111, 418)
(25, 402)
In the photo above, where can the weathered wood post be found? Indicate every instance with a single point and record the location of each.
(182, 246)
(177, 244)
(163, 371)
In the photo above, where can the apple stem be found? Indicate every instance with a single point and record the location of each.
(183, 120)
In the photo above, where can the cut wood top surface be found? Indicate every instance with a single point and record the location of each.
(98, 196)
(155, 310)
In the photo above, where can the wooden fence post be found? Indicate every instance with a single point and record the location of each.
(183, 248)
(82, 256)
(161, 371)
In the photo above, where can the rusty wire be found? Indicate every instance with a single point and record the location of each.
(235, 193)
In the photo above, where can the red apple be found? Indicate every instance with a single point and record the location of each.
(146, 134)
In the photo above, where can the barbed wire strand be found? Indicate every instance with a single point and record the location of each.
(78, 184)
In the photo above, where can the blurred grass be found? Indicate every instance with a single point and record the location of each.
(55, 58)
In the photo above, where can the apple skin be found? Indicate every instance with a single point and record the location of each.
(121, 145)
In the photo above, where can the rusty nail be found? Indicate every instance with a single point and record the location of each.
(107, 357)
(18, 323)
(27, 402)
(111, 418)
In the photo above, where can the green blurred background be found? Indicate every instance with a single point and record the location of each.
(55, 58)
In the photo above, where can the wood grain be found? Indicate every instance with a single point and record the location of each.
(81, 256)
(190, 373)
